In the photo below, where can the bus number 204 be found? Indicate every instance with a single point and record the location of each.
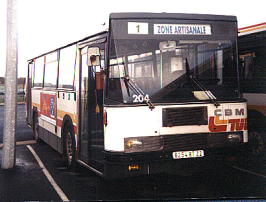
(140, 98)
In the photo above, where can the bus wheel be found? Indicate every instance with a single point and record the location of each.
(69, 148)
(36, 128)
(257, 143)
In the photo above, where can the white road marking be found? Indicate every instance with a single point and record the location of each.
(250, 172)
(22, 143)
(58, 190)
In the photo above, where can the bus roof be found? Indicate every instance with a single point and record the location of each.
(173, 16)
(88, 38)
(252, 29)
(150, 16)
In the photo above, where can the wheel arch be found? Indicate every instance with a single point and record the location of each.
(34, 112)
(67, 122)
(256, 120)
(34, 115)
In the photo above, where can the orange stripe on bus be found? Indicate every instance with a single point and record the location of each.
(252, 29)
(61, 114)
(36, 105)
(251, 26)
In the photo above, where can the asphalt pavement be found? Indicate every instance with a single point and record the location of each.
(34, 178)
(26, 181)
(23, 132)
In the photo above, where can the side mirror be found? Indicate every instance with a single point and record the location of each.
(93, 56)
(94, 60)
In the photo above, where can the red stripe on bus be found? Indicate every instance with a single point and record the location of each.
(75, 130)
(251, 26)
(60, 122)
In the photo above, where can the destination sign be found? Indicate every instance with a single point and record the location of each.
(182, 29)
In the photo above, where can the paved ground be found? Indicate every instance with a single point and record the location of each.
(26, 181)
(213, 183)
(22, 131)
(245, 177)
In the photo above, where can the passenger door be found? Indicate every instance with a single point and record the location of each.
(91, 106)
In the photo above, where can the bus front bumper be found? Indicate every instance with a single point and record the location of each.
(121, 165)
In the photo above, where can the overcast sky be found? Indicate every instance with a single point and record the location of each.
(44, 25)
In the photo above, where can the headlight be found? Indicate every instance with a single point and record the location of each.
(142, 144)
(234, 138)
(133, 143)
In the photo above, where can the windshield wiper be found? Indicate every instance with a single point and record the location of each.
(129, 83)
(207, 92)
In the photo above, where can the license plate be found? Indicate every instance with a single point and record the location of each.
(188, 154)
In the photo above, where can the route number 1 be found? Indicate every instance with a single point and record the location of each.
(138, 28)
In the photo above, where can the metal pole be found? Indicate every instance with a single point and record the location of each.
(9, 149)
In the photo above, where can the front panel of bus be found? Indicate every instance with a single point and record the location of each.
(172, 89)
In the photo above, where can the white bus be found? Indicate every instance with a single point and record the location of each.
(157, 92)
(252, 51)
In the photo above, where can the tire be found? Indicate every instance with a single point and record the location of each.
(36, 128)
(69, 147)
(257, 144)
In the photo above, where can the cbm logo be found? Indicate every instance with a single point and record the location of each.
(229, 112)
(52, 111)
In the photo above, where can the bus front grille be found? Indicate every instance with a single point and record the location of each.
(185, 142)
(184, 116)
(196, 141)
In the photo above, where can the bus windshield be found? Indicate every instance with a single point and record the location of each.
(159, 67)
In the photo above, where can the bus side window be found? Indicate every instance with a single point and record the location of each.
(67, 63)
(38, 72)
(50, 73)
(102, 59)
(248, 67)
(30, 73)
